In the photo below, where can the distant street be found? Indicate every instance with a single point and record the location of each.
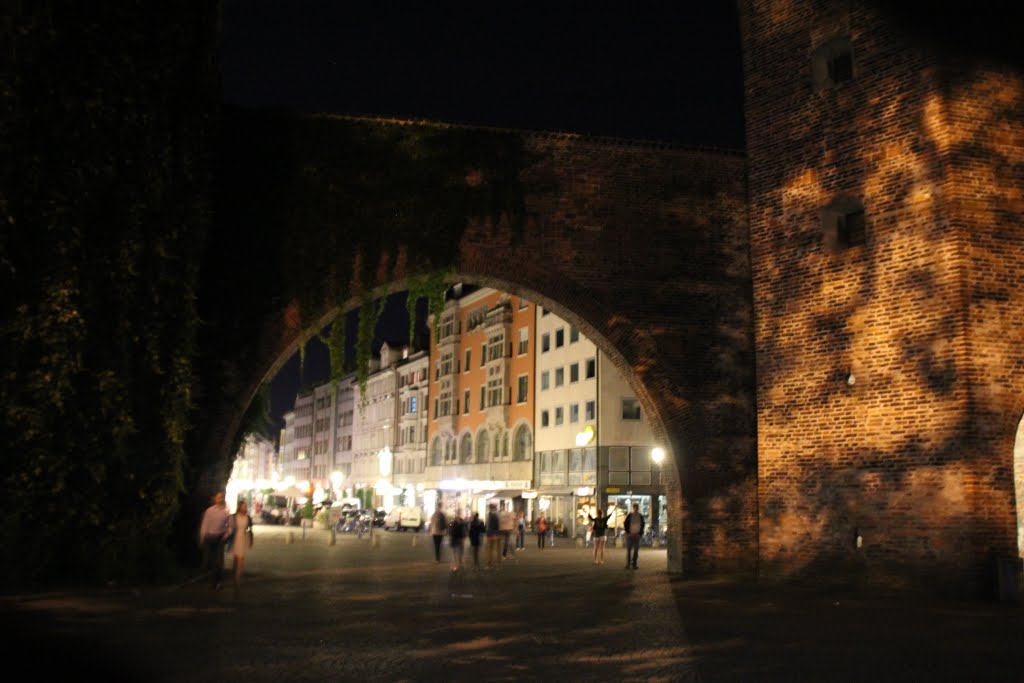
(385, 611)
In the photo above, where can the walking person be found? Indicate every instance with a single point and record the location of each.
(241, 525)
(542, 530)
(600, 530)
(493, 537)
(456, 536)
(506, 523)
(633, 526)
(521, 531)
(213, 532)
(438, 528)
(477, 529)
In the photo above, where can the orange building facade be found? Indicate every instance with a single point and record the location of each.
(480, 432)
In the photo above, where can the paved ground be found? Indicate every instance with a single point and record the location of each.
(354, 611)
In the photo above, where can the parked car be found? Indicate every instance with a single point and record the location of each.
(402, 518)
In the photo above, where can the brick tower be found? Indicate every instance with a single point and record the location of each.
(887, 246)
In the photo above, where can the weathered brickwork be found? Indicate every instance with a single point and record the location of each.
(888, 374)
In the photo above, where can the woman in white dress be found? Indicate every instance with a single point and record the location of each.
(242, 541)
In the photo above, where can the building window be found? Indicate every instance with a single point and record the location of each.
(574, 412)
(495, 347)
(483, 397)
(545, 380)
(466, 449)
(543, 311)
(523, 303)
(630, 409)
(559, 376)
(524, 341)
(496, 392)
(574, 372)
(843, 224)
(465, 368)
(832, 63)
(559, 415)
(435, 451)
(574, 334)
(465, 402)
(481, 446)
(523, 446)
(559, 338)
(589, 410)
(543, 418)
(591, 368)
(522, 389)
(545, 343)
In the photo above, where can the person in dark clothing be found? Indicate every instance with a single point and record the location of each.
(634, 529)
(477, 529)
(493, 537)
(600, 529)
(456, 536)
(542, 530)
(438, 528)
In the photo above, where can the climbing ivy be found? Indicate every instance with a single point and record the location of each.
(432, 287)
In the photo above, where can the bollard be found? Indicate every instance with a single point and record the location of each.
(374, 540)
(579, 542)
(415, 539)
(290, 538)
(334, 537)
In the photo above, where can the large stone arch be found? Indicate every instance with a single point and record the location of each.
(643, 248)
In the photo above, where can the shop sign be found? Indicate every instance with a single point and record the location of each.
(529, 494)
(612, 490)
(585, 491)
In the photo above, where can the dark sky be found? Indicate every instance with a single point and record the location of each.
(651, 70)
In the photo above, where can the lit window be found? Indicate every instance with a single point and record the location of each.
(630, 409)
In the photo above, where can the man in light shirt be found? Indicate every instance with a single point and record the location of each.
(506, 524)
(213, 532)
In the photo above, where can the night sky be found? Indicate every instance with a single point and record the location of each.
(655, 71)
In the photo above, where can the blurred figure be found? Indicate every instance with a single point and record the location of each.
(493, 537)
(542, 530)
(213, 533)
(633, 527)
(438, 528)
(241, 525)
(477, 529)
(456, 536)
(506, 523)
(600, 530)
(521, 531)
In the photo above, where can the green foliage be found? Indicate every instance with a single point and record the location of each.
(369, 314)
(432, 287)
(307, 510)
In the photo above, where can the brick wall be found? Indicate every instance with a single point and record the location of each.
(886, 405)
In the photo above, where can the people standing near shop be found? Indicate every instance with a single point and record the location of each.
(493, 537)
(542, 530)
(477, 529)
(213, 532)
(600, 530)
(507, 524)
(456, 537)
(633, 526)
(521, 531)
(241, 526)
(438, 528)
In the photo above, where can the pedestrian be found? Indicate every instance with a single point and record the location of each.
(600, 529)
(477, 529)
(456, 536)
(213, 533)
(542, 530)
(521, 531)
(438, 528)
(634, 529)
(493, 537)
(241, 533)
(507, 524)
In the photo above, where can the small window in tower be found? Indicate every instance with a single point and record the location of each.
(832, 63)
(843, 224)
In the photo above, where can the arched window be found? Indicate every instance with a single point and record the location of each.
(481, 446)
(466, 449)
(523, 448)
(435, 451)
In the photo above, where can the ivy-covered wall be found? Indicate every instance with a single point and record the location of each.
(104, 201)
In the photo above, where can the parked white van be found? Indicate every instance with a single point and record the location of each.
(402, 518)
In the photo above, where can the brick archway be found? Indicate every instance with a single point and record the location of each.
(643, 247)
